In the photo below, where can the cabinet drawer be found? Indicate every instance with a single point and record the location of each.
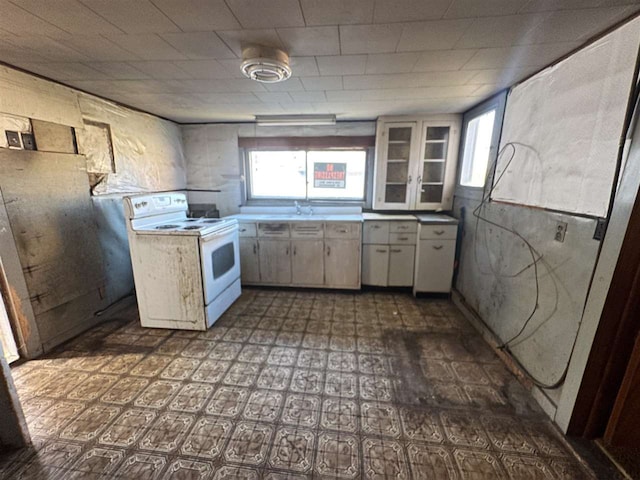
(403, 238)
(273, 230)
(307, 230)
(375, 232)
(401, 263)
(342, 230)
(435, 232)
(403, 227)
(247, 230)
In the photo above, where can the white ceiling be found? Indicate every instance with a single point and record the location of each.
(355, 58)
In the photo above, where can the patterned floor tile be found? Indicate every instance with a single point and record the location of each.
(90, 423)
(337, 455)
(127, 428)
(95, 464)
(340, 414)
(379, 419)
(428, 461)
(301, 410)
(142, 466)
(288, 384)
(263, 405)
(191, 398)
(384, 459)
(125, 390)
(166, 433)
(293, 450)
(207, 438)
(180, 368)
(157, 394)
(249, 443)
(227, 401)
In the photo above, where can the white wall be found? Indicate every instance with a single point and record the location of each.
(495, 277)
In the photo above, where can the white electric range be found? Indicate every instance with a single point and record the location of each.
(186, 270)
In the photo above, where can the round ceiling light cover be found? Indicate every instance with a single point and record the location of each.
(265, 64)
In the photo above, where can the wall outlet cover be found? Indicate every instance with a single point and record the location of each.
(28, 141)
(13, 139)
(561, 231)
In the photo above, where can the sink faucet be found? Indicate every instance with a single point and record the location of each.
(298, 210)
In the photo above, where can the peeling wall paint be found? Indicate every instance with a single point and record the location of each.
(148, 156)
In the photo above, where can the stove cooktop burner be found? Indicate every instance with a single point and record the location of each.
(193, 227)
(191, 220)
(212, 220)
(166, 227)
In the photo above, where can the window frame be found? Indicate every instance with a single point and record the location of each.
(497, 103)
(368, 180)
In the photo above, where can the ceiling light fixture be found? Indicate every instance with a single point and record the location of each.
(265, 64)
(293, 120)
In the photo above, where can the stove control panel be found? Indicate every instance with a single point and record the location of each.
(155, 204)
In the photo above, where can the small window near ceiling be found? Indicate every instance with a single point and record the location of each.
(307, 174)
(477, 146)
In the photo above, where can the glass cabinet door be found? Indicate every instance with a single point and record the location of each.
(431, 182)
(397, 173)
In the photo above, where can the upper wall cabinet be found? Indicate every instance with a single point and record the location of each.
(416, 160)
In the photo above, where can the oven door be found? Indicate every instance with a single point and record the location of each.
(220, 257)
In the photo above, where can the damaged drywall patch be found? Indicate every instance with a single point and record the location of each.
(147, 151)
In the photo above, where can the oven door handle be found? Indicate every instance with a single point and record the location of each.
(219, 233)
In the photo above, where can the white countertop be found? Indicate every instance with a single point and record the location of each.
(436, 219)
(389, 216)
(283, 217)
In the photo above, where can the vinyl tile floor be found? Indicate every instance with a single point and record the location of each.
(287, 385)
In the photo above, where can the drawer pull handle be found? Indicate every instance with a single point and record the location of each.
(403, 238)
(381, 251)
(437, 247)
(294, 251)
(243, 229)
(376, 226)
(328, 251)
(396, 250)
(402, 227)
(438, 232)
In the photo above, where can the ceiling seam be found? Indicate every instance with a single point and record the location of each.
(165, 15)
(105, 19)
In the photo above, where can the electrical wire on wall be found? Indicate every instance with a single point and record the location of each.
(536, 257)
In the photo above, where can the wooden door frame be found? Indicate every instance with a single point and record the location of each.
(614, 341)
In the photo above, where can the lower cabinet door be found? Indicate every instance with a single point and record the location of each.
(435, 265)
(307, 262)
(275, 261)
(375, 265)
(249, 263)
(401, 262)
(342, 263)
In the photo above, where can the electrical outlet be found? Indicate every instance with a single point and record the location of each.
(561, 231)
(601, 227)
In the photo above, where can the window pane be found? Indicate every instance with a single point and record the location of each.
(477, 145)
(336, 174)
(278, 174)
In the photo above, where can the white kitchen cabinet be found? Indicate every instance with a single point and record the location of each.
(249, 260)
(401, 259)
(301, 253)
(416, 162)
(435, 255)
(375, 264)
(307, 262)
(388, 250)
(342, 262)
(275, 261)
